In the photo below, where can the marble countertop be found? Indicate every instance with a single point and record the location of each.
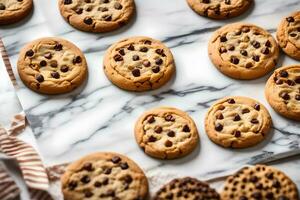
(100, 117)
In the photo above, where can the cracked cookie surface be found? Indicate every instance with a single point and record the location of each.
(220, 9)
(187, 189)
(97, 15)
(237, 122)
(259, 182)
(52, 66)
(104, 176)
(12, 11)
(283, 91)
(288, 35)
(243, 51)
(166, 133)
(139, 64)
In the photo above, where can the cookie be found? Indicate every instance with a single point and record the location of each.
(220, 9)
(139, 64)
(166, 133)
(52, 66)
(283, 91)
(237, 122)
(187, 188)
(104, 176)
(259, 182)
(288, 35)
(243, 51)
(12, 11)
(97, 15)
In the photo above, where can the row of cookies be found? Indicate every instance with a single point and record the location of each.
(111, 176)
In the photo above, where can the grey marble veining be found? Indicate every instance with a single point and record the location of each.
(100, 117)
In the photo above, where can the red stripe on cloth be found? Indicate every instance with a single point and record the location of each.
(8, 187)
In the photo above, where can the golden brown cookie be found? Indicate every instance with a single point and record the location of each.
(237, 122)
(12, 11)
(104, 176)
(220, 9)
(52, 66)
(187, 189)
(97, 15)
(139, 64)
(288, 35)
(283, 91)
(259, 182)
(243, 51)
(166, 133)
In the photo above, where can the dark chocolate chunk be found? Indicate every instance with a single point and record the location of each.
(234, 60)
(152, 139)
(151, 120)
(223, 39)
(236, 118)
(88, 167)
(39, 78)
(244, 52)
(284, 73)
(146, 63)
(231, 101)
(254, 121)
(265, 50)
(85, 179)
(218, 127)
(79, 11)
(290, 19)
(48, 55)
(88, 20)
(64, 68)
(2, 6)
(168, 143)
(143, 49)
(77, 60)
(245, 110)
(66, 2)
(107, 17)
(116, 159)
(136, 73)
(124, 165)
(257, 107)
(169, 118)
(118, 6)
(158, 129)
(72, 185)
(58, 47)
(268, 44)
(97, 184)
(55, 75)
(171, 134)
(285, 96)
(107, 171)
(43, 63)
(255, 44)
(135, 57)
(245, 29)
(118, 57)
(222, 50)
(156, 69)
(29, 53)
(158, 61)
(186, 128)
(220, 116)
(237, 133)
(130, 47)
(255, 58)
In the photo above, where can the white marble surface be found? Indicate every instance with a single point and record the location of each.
(100, 117)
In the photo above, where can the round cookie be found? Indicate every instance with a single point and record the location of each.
(139, 64)
(97, 15)
(259, 182)
(12, 11)
(243, 51)
(52, 66)
(186, 188)
(104, 176)
(166, 133)
(220, 9)
(288, 35)
(283, 91)
(237, 122)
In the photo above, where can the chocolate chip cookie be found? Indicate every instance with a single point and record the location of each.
(104, 176)
(186, 188)
(288, 35)
(139, 64)
(283, 91)
(243, 51)
(97, 15)
(237, 122)
(220, 9)
(52, 66)
(259, 182)
(12, 11)
(166, 133)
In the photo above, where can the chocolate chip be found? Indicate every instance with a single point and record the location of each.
(265, 50)
(293, 34)
(58, 47)
(77, 60)
(110, 193)
(136, 72)
(88, 167)
(135, 57)
(158, 129)
(168, 143)
(85, 179)
(156, 69)
(171, 134)
(297, 97)
(131, 47)
(245, 110)
(276, 184)
(29, 53)
(220, 116)
(186, 128)
(160, 52)
(48, 55)
(243, 198)
(147, 42)
(143, 49)
(158, 61)
(39, 78)
(253, 179)
(151, 120)
(66, 2)
(118, 57)
(258, 186)
(255, 58)
(151, 139)
(205, 1)
(88, 20)
(257, 107)
(105, 181)
(128, 179)
(223, 39)
(270, 195)
(104, 1)
(283, 73)
(290, 19)
(244, 52)
(290, 82)
(79, 11)
(231, 48)
(107, 171)
(254, 121)
(256, 195)
(2, 6)
(116, 159)
(55, 75)
(72, 185)
(88, 194)
(228, 2)
(234, 60)
(87, 1)
(270, 175)
(118, 6)
(64, 68)
(237, 134)
(221, 107)
(236, 118)
(97, 184)
(279, 82)
(297, 80)
(222, 50)
(285, 96)
(169, 118)
(268, 44)
(249, 65)
(219, 127)
(103, 9)
(43, 63)
(122, 52)
(124, 166)
(231, 101)
(107, 17)
(245, 29)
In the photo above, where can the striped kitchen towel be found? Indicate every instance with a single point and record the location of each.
(8, 187)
